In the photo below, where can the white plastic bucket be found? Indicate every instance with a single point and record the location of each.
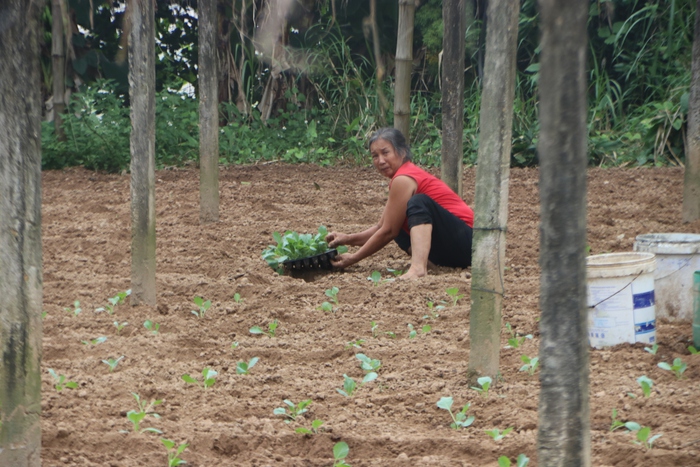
(621, 299)
(677, 258)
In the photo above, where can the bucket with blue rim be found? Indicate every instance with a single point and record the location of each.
(621, 301)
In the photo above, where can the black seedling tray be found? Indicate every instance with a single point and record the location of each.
(311, 263)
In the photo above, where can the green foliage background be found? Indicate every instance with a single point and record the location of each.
(639, 75)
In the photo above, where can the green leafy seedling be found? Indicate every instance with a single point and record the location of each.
(234, 345)
(174, 452)
(340, 452)
(454, 294)
(357, 343)
(315, 428)
(144, 409)
(645, 438)
(616, 423)
(292, 245)
(497, 435)
(349, 386)
(114, 301)
(292, 411)
(412, 333)
(201, 305)
(521, 461)
(375, 328)
(653, 349)
(390, 334)
(693, 350)
(515, 341)
(396, 272)
(243, 368)
(112, 363)
(368, 364)
(678, 367)
(646, 384)
(530, 364)
(97, 340)
(60, 381)
(271, 329)
(433, 310)
(151, 326)
(76, 310)
(484, 383)
(426, 328)
(326, 306)
(208, 378)
(237, 298)
(332, 293)
(375, 277)
(459, 419)
(120, 326)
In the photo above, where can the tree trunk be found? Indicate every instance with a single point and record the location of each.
(208, 114)
(142, 81)
(383, 102)
(20, 235)
(492, 176)
(404, 66)
(58, 68)
(455, 23)
(691, 184)
(564, 424)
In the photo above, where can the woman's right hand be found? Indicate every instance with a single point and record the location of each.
(335, 239)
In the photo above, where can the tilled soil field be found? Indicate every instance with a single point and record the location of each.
(393, 421)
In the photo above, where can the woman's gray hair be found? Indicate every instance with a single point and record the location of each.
(396, 139)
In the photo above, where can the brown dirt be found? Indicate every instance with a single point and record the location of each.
(393, 421)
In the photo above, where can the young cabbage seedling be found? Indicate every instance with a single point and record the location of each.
(113, 302)
(315, 428)
(326, 306)
(531, 364)
(98, 340)
(234, 345)
(271, 329)
(678, 367)
(454, 294)
(375, 277)
(349, 386)
(112, 363)
(412, 333)
(173, 452)
(76, 310)
(208, 378)
(693, 350)
(616, 423)
(201, 305)
(653, 349)
(521, 461)
(292, 411)
(485, 383)
(120, 326)
(151, 326)
(644, 437)
(243, 368)
(433, 309)
(60, 381)
(459, 419)
(237, 298)
(357, 343)
(646, 384)
(340, 452)
(332, 293)
(396, 272)
(514, 341)
(497, 435)
(137, 416)
(368, 364)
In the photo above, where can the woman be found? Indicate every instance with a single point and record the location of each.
(425, 217)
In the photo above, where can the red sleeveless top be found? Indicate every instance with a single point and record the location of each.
(438, 191)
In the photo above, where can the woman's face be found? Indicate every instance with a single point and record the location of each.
(385, 157)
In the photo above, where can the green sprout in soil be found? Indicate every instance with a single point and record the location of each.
(390, 334)
(113, 302)
(357, 343)
(349, 386)
(237, 298)
(484, 383)
(60, 381)
(292, 411)
(208, 378)
(515, 341)
(530, 364)
(243, 368)
(643, 436)
(326, 306)
(433, 309)
(151, 326)
(521, 461)
(396, 272)
(112, 363)
(137, 416)
(653, 349)
(97, 340)
(174, 452)
(234, 345)
(375, 328)
(412, 333)
(459, 419)
(201, 305)
(315, 428)
(693, 350)
(120, 326)
(678, 367)
(76, 310)
(454, 294)
(646, 384)
(271, 329)
(497, 434)
(375, 277)
(340, 452)
(367, 364)
(332, 293)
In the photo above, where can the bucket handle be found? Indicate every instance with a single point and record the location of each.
(623, 288)
(684, 263)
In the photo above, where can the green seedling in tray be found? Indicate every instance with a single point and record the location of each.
(459, 419)
(292, 411)
(292, 245)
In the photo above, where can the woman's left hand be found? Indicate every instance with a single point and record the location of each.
(343, 261)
